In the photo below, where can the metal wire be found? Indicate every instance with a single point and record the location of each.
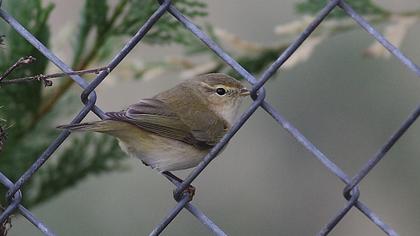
(351, 192)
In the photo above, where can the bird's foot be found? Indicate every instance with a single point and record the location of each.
(190, 190)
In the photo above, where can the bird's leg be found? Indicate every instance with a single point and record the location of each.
(171, 177)
(190, 190)
(145, 163)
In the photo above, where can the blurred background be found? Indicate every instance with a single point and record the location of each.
(340, 89)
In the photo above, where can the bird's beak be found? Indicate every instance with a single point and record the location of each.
(244, 92)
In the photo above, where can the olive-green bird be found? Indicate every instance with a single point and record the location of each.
(175, 129)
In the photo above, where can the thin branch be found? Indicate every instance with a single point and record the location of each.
(22, 61)
(49, 102)
(6, 225)
(45, 78)
(247, 49)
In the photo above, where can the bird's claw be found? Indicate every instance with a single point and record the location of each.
(190, 190)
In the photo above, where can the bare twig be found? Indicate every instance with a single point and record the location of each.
(45, 78)
(22, 61)
(6, 225)
(80, 63)
(395, 31)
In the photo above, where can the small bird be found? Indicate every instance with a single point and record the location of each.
(175, 129)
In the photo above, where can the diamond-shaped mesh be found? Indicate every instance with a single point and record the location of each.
(351, 191)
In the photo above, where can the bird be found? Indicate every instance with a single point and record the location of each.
(175, 129)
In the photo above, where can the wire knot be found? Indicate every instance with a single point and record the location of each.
(351, 194)
(257, 93)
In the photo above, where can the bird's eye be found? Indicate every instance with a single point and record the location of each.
(221, 91)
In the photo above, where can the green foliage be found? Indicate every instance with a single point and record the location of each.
(2, 136)
(30, 131)
(364, 7)
(86, 155)
(15, 98)
(101, 28)
(93, 18)
(258, 62)
(19, 103)
(167, 29)
(100, 25)
(254, 63)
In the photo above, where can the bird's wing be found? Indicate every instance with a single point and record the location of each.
(155, 116)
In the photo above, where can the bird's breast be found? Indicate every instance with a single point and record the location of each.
(163, 154)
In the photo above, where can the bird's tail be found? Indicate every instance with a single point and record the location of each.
(103, 126)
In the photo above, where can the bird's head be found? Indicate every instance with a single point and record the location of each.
(222, 92)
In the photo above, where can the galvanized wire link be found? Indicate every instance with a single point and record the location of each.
(127, 48)
(194, 210)
(351, 192)
(295, 45)
(22, 210)
(380, 38)
(340, 215)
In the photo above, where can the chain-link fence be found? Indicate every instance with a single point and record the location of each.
(88, 97)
